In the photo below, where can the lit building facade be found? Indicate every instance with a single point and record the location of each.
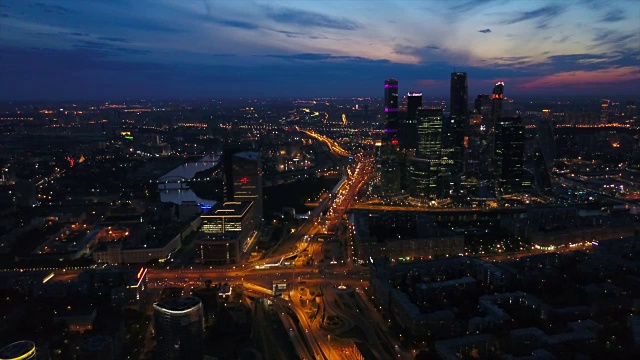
(179, 328)
(229, 230)
(455, 128)
(390, 165)
(243, 177)
(425, 168)
(230, 217)
(509, 155)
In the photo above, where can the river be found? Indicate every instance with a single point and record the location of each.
(173, 188)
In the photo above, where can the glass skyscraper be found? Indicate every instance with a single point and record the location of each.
(509, 155)
(390, 166)
(243, 177)
(455, 126)
(426, 167)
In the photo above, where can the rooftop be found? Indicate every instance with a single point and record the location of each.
(178, 304)
(18, 350)
(229, 208)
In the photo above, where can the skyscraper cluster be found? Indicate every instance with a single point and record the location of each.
(477, 154)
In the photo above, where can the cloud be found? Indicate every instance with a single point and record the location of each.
(469, 5)
(486, 31)
(543, 15)
(322, 57)
(298, 35)
(310, 19)
(613, 38)
(74, 33)
(107, 49)
(580, 79)
(433, 54)
(113, 39)
(238, 24)
(613, 16)
(54, 9)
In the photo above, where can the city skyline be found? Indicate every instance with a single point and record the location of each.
(66, 50)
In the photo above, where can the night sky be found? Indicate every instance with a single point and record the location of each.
(161, 49)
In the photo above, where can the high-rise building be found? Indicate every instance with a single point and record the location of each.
(497, 97)
(243, 177)
(605, 110)
(390, 165)
(509, 155)
(179, 327)
(229, 231)
(455, 126)
(408, 131)
(496, 103)
(391, 99)
(425, 168)
(458, 94)
(23, 350)
(413, 104)
(482, 105)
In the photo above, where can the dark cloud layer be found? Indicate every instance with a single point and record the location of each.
(305, 18)
(542, 15)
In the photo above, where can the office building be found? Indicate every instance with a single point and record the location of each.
(179, 327)
(414, 103)
(243, 177)
(389, 163)
(230, 217)
(454, 129)
(605, 111)
(489, 175)
(408, 128)
(229, 231)
(458, 94)
(496, 104)
(22, 350)
(482, 105)
(391, 99)
(509, 155)
(425, 167)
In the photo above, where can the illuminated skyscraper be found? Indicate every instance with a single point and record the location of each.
(391, 99)
(390, 166)
(496, 113)
(605, 109)
(178, 325)
(454, 127)
(426, 167)
(243, 177)
(496, 103)
(509, 155)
